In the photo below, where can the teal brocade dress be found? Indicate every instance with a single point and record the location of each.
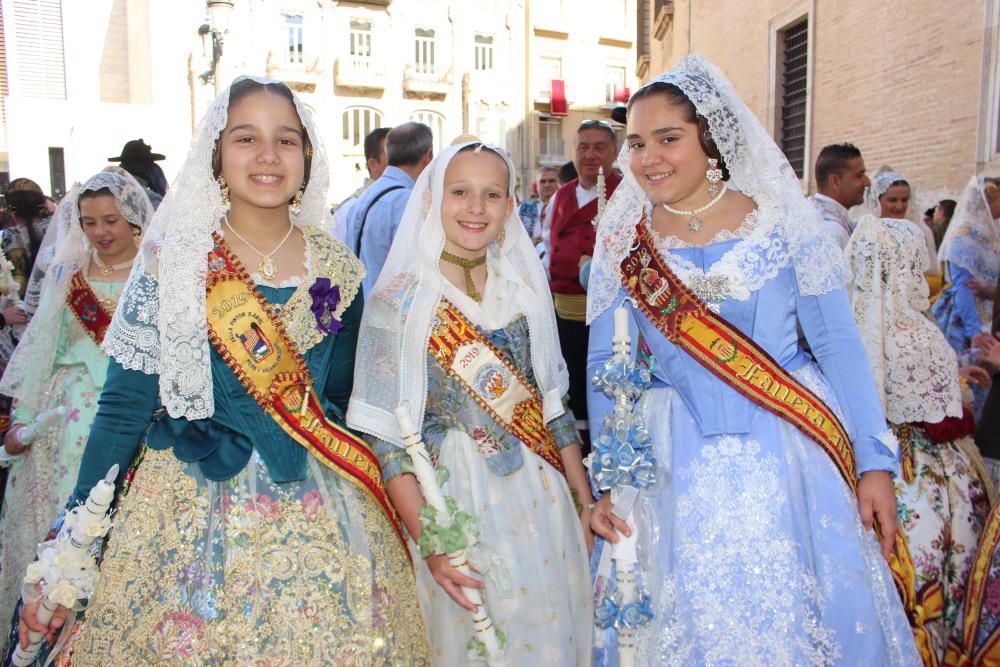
(234, 545)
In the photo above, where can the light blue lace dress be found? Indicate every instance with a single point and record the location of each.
(751, 543)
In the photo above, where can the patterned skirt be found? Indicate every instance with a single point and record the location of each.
(41, 481)
(942, 511)
(247, 571)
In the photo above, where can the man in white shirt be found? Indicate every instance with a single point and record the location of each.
(840, 184)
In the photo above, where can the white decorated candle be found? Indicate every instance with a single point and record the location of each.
(621, 325)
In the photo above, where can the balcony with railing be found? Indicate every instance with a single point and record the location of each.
(360, 73)
(423, 81)
(301, 76)
(491, 87)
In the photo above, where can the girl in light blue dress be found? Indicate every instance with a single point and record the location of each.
(753, 545)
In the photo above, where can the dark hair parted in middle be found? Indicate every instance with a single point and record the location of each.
(676, 97)
(245, 88)
(93, 194)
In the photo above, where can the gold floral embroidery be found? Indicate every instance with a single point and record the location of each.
(249, 572)
(330, 259)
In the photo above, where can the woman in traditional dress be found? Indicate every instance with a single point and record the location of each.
(943, 491)
(256, 529)
(95, 236)
(753, 545)
(462, 261)
(971, 252)
(891, 195)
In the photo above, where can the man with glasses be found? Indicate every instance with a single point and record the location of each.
(571, 243)
(533, 212)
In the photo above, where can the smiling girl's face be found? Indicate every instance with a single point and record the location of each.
(262, 151)
(475, 203)
(664, 151)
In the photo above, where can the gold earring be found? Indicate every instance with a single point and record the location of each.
(224, 189)
(713, 174)
(136, 236)
(501, 236)
(295, 206)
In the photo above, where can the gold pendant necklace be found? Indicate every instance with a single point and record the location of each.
(467, 265)
(268, 268)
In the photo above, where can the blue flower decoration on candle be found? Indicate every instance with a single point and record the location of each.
(325, 299)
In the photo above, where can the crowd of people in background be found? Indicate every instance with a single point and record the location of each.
(831, 502)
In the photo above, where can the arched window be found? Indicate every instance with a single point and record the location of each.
(435, 121)
(358, 122)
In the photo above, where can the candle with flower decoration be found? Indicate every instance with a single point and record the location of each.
(438, 517)
(65, 571)
(622, 464)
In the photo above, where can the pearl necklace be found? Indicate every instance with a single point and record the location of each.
(268, 268)
(694, 224)
(108, 269)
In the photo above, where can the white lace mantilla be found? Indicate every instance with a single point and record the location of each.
(160, 325)
(915, 369)
(788, 229)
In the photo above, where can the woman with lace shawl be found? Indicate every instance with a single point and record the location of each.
(753, 544)
(971, 252)
(459, 323)
(94, 237)
(892, 195)
(255, 528)
(942, 492)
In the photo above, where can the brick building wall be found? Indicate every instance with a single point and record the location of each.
(912, 86)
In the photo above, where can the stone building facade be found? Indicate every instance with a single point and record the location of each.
(915, 84)
(79, 79)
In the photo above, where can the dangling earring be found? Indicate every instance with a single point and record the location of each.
(714, 175)
(502, 236)
(224, 188)
(296, 204)
(136, 236)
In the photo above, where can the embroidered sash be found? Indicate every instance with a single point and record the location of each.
(735, 359)
(254, 344)
(729, 354)
(973, 649)
(490, 378)
(87, 307)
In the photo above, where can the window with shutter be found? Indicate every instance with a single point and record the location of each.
(41, 68)
(794, 93)
(358, 122)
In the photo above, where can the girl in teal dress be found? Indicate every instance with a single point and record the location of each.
(243, 537)
(91, 245)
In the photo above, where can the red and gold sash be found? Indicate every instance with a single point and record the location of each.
(87, 307)
(254, 344)
(972, 651)
(734, 358)
(490, 378)
(729, 354)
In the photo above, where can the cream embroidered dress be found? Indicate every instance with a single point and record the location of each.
(537, 585)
